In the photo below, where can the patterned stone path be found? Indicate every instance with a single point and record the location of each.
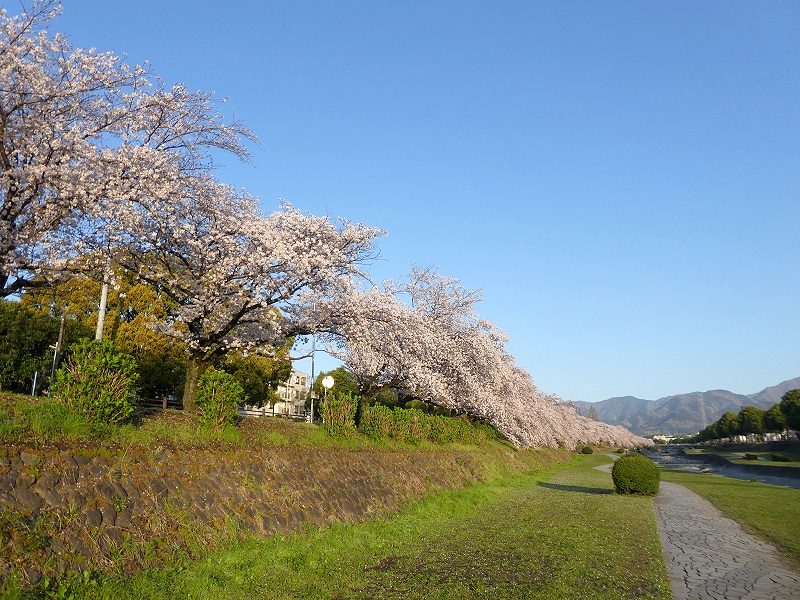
(710, 556)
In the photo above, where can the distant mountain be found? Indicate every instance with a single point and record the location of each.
(772, 395)
(682, 414)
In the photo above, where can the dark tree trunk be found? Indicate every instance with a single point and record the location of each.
(195, 368)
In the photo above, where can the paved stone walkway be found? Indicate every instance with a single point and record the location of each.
(710, 556)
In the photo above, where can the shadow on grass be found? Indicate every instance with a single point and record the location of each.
(576, 488)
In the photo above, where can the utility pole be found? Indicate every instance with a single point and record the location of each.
(312, 394)
(57, 354)
(703, 411)
(101, 313)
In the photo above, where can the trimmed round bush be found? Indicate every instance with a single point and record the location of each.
(587, 450)
(635, 474)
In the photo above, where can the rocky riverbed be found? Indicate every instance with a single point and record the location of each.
(675, 457)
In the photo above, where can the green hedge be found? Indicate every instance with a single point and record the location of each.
(414, 426)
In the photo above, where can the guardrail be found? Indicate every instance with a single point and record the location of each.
(163, 403)
(271, 412)
(174, 403)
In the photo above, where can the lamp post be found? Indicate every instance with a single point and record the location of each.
(312, 395)
(327, 383)
(56, 354)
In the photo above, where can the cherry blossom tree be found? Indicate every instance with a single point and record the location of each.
(101, 160)
(83, 133)
(425, 337)
(233, 274)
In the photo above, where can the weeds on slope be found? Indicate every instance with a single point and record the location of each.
(561, 533)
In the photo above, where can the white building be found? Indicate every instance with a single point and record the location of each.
(292, 399)
(292, 395)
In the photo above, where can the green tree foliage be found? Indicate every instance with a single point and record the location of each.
(98, 381)
(790, 407)
(161, 360)
(387, 397)
(218, 396)
(343, 383)
(26, 340)
(77, 298)
(419, 405)
(134, 311)
(727, 425)
(635, 474)
(751, 420)
(774, 419)
(259, 375)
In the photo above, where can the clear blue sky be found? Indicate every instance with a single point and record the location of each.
(622, 179)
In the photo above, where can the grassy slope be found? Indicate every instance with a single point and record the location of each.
(555, 534)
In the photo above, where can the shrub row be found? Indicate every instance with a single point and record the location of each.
(338, 414)
(99, 382)
(414, 426)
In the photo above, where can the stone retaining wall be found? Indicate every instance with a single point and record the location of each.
(73, 509)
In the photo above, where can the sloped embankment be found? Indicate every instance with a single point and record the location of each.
(118, 509)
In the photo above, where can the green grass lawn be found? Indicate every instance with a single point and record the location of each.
(767, 510)
(764, 458)
(555, 534)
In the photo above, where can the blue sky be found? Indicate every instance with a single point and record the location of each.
(620, 178)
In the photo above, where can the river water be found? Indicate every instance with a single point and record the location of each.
(672, 458)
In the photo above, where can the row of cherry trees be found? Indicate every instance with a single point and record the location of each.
(424, 335)
(102, 163)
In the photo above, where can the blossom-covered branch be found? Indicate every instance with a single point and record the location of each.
(82, 134)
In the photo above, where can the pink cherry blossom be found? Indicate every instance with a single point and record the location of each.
(83, 135)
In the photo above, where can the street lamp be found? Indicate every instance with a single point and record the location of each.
(327, 383)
